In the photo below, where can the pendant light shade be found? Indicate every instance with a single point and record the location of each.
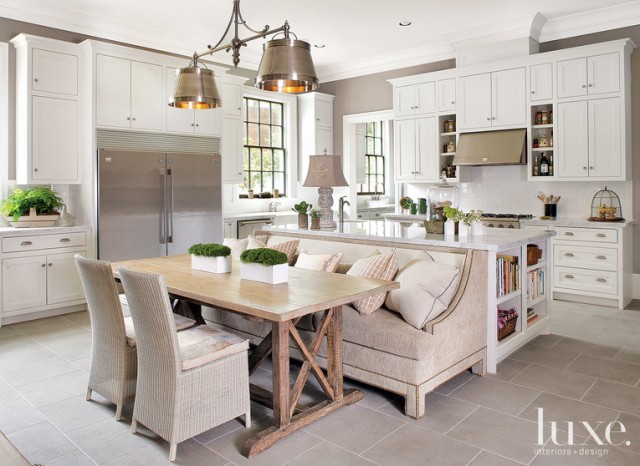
(195, 88)
(287, 66)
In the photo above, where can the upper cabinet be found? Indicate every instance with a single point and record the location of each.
(541, 82)
(129, 94)
(447, 95)
(48, 106)
(315, 128)
(414, 99)
(496, 99)
(598, 74)
(415, 152)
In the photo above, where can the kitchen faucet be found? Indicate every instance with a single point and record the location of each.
(342, 202)
(273, 206)
(376, 195)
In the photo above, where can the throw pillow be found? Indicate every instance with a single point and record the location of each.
(323, 262)
(375, 265)
(237, 246)
(426, 290)
(288, 247)
(255, 242)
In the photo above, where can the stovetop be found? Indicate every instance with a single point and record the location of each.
(486, 216)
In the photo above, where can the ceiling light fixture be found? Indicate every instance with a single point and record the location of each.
(286, 66)
(405, 23)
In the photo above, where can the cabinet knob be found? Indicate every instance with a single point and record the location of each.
(26, 243)
(584, 168)
(533, 92)
(192, 124)
(568, 254)
(488, 119)
(583, 86)
(317, 119)
(601, 280)
(601, 257)
(50, 264)
(134, 119)
(35, 80)
(128, 118)
(568, 233)
(493, 118)
(568, 276)
(601, 235)
(590, 168)
(239, 173)
(590, 85)
(35, 169)
(453, 102)
(197, 125)
(43, 265)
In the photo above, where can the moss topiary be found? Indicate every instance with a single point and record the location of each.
(264, 256)
(210, 250)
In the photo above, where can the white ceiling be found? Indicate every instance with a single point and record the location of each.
(360, 36)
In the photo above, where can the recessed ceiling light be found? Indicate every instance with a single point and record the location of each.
(405, 23)
(319, 46)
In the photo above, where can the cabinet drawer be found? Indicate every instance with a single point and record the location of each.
(29, 243)
(595, 281)
(598, 235)
(569, 255)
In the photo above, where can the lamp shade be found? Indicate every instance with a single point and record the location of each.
(325, 171)
(286, 66)
(195, 88)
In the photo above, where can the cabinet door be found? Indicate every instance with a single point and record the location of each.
(404, 101)
(179, 120)
(447, 95)
(208, 122)
(474, 101)
(324, 113)
(63, 281)
(605, 138)
(509, 97)
(572, 140)
(54, 72)
(425, 96)
(405, 149)
(54, 140)
(24, 283)
(232, 98)
(572, 77)
(232, 150)
(426, 154)
(603, 73)
(113, 91)
(147, 98)
(324, 141)
(541, 81)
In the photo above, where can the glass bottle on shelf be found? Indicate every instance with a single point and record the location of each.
(536, 167)
(551, 164)
(544, 165)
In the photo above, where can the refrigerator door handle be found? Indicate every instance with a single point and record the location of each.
(170, 212)
(163, 220)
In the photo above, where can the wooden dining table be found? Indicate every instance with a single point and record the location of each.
(283, 305)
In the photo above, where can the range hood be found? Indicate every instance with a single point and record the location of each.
(504, 147)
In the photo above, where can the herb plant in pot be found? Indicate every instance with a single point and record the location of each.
(211, 257)
(264, 265)
(473, 217)
(315, 219)
(35, 206)
(303, 210)
(454, 216)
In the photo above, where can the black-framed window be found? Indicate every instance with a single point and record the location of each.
(264, 165)
(374, 159)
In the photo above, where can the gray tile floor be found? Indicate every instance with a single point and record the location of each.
(586, 371)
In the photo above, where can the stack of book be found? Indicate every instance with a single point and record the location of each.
(507, 275)
(535, 284)
(531, 316)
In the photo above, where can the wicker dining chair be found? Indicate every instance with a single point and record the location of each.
(114, 361)
(190, 382)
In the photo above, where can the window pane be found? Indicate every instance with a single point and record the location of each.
(369, 129)
(253, 136)
(278, 182)
(265, 112)
(252, 110)
(276, 114)
(267, 160)
(267, 182)
(370, 146)
(378, 146)
(245, 161)
(265, 136)
(255, 182)
(255, 160)
(278, 160)
(276, 136)
(380, 167)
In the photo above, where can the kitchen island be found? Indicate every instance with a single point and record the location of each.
(512, 282)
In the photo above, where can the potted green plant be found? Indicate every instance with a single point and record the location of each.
(35, 206)
(315, 219)
(454, 216)
(473, 219)
(211, 257)
(303, 210)
(264, 265)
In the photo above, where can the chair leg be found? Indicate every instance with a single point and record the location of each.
(89, 392)
(172, 451)
(119, 411)
(134, 425)
(247, 418)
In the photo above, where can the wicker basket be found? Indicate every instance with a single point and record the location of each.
(509, 328)
(533, 254)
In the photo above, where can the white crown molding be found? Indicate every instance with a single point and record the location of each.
(601, 19)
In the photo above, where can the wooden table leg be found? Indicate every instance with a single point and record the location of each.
(280, 352)
(334, 353)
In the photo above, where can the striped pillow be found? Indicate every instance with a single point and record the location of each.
(375, 265)
(288, 247)
(256, 242)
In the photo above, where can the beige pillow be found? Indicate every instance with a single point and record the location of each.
(426, 290)
(288, 247)
(238, 246)
(255, 242)
(323, 262)
(375, 265)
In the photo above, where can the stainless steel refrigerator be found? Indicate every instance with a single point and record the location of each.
(153, 204)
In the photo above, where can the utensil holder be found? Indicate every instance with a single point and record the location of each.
(550, 210)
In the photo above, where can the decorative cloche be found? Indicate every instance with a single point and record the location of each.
(442, 195)
(606, 207)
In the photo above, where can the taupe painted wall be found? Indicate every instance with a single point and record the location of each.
(373, 92)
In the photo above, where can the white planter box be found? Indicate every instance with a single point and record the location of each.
(273, 274)
(211, 264)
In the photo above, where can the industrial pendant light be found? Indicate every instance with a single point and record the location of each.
(286, 66)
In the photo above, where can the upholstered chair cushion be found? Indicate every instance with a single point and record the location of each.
(375, 265)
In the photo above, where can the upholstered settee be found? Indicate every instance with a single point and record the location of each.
(382, 349)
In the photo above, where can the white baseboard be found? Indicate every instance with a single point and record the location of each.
(636, 286)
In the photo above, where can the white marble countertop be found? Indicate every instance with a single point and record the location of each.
(406, 218)
(253, 215)
(365, 207)
(11, 231)
(576, 222)
(495, 240)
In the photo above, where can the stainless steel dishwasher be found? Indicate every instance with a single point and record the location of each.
(246, 227)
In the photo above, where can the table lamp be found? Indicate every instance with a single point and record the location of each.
(325, 172)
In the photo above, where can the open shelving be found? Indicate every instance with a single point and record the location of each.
(447, 142)
(541, 130)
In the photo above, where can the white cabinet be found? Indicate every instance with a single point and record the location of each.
(590, 139)
(415, 150)
(447, 95)
(232, 150)
(189, 121)
(315, 128)
(232, 96)
(129, 94)
(39, 274)
(48, 107)
(598, 74)
(494, 99)
(541, 82)
(414, 99)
